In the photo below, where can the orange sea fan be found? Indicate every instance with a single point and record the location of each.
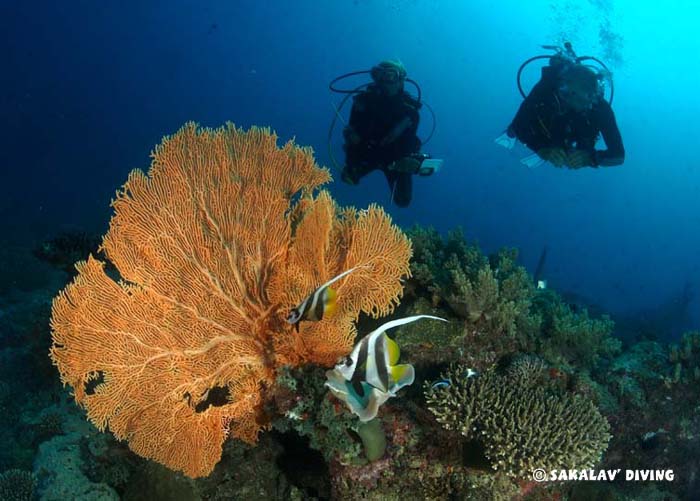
(213, 247)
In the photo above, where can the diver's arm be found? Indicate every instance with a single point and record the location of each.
(407, 126)
(525, 126)
(615, 154)
(408, 142)
(359, 120)
(396, 131)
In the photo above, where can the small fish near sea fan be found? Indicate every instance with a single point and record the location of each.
(213, 247)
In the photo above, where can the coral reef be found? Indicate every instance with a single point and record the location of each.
(493, 294)
(373, 439)
(529, 368)
(60, 466)
(655, 422)
(572, 338)
(303, 405)
(17, 485)
(522, 425)
(63, 463)
(419, 464)
(489, 298)
(530, 348)
(213, 247)
(430, 343)
(495, 310)
(685, 360)
(412, 460)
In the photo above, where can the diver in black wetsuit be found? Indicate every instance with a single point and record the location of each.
(381, 133)
(563, 115)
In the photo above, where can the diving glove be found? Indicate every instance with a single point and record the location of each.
(419, 163)
(407, 165)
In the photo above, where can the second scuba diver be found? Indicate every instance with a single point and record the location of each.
(563, 115)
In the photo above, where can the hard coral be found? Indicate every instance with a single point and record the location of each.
(521, 425)
(685, 360)
(305, 407)
(214, 246)
(493, 294)
(17, 485)
(490, 296)
(571, 337)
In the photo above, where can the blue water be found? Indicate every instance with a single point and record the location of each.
(88, 88)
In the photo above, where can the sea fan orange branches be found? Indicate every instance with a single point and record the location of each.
(213, 247)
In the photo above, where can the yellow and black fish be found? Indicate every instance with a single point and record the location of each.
(371, 374)
(320, 302)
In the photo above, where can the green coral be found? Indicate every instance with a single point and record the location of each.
(418, 464)
(17, 485)
(305, 406)
(490, 296)
(685, 360)
(427, 343)
(373, 439)
(599, 394)
(572, 338)
(526, 367)
(495, 310)
(522, 425)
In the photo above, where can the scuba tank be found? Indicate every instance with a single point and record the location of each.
(563, 58)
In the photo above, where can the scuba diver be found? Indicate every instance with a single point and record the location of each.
(381, 132)
(565, 112)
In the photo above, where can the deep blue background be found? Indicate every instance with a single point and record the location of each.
(88, 88)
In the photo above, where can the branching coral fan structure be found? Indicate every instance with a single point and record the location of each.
(213, 247)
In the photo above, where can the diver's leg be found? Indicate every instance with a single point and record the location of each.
(401, 186)
(356, 166)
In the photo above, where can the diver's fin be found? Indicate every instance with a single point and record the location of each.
(532, 161)
(505, 140)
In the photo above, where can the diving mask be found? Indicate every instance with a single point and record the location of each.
(578, 98)
(388, 74)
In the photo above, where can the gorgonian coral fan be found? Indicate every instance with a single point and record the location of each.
(213, 247)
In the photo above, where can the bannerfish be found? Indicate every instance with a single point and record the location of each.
(370, 375)
(320, 302)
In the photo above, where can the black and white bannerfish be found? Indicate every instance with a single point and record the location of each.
(371, 375)
(320, 302)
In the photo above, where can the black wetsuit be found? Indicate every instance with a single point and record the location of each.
(544, 122)
(373, 116)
